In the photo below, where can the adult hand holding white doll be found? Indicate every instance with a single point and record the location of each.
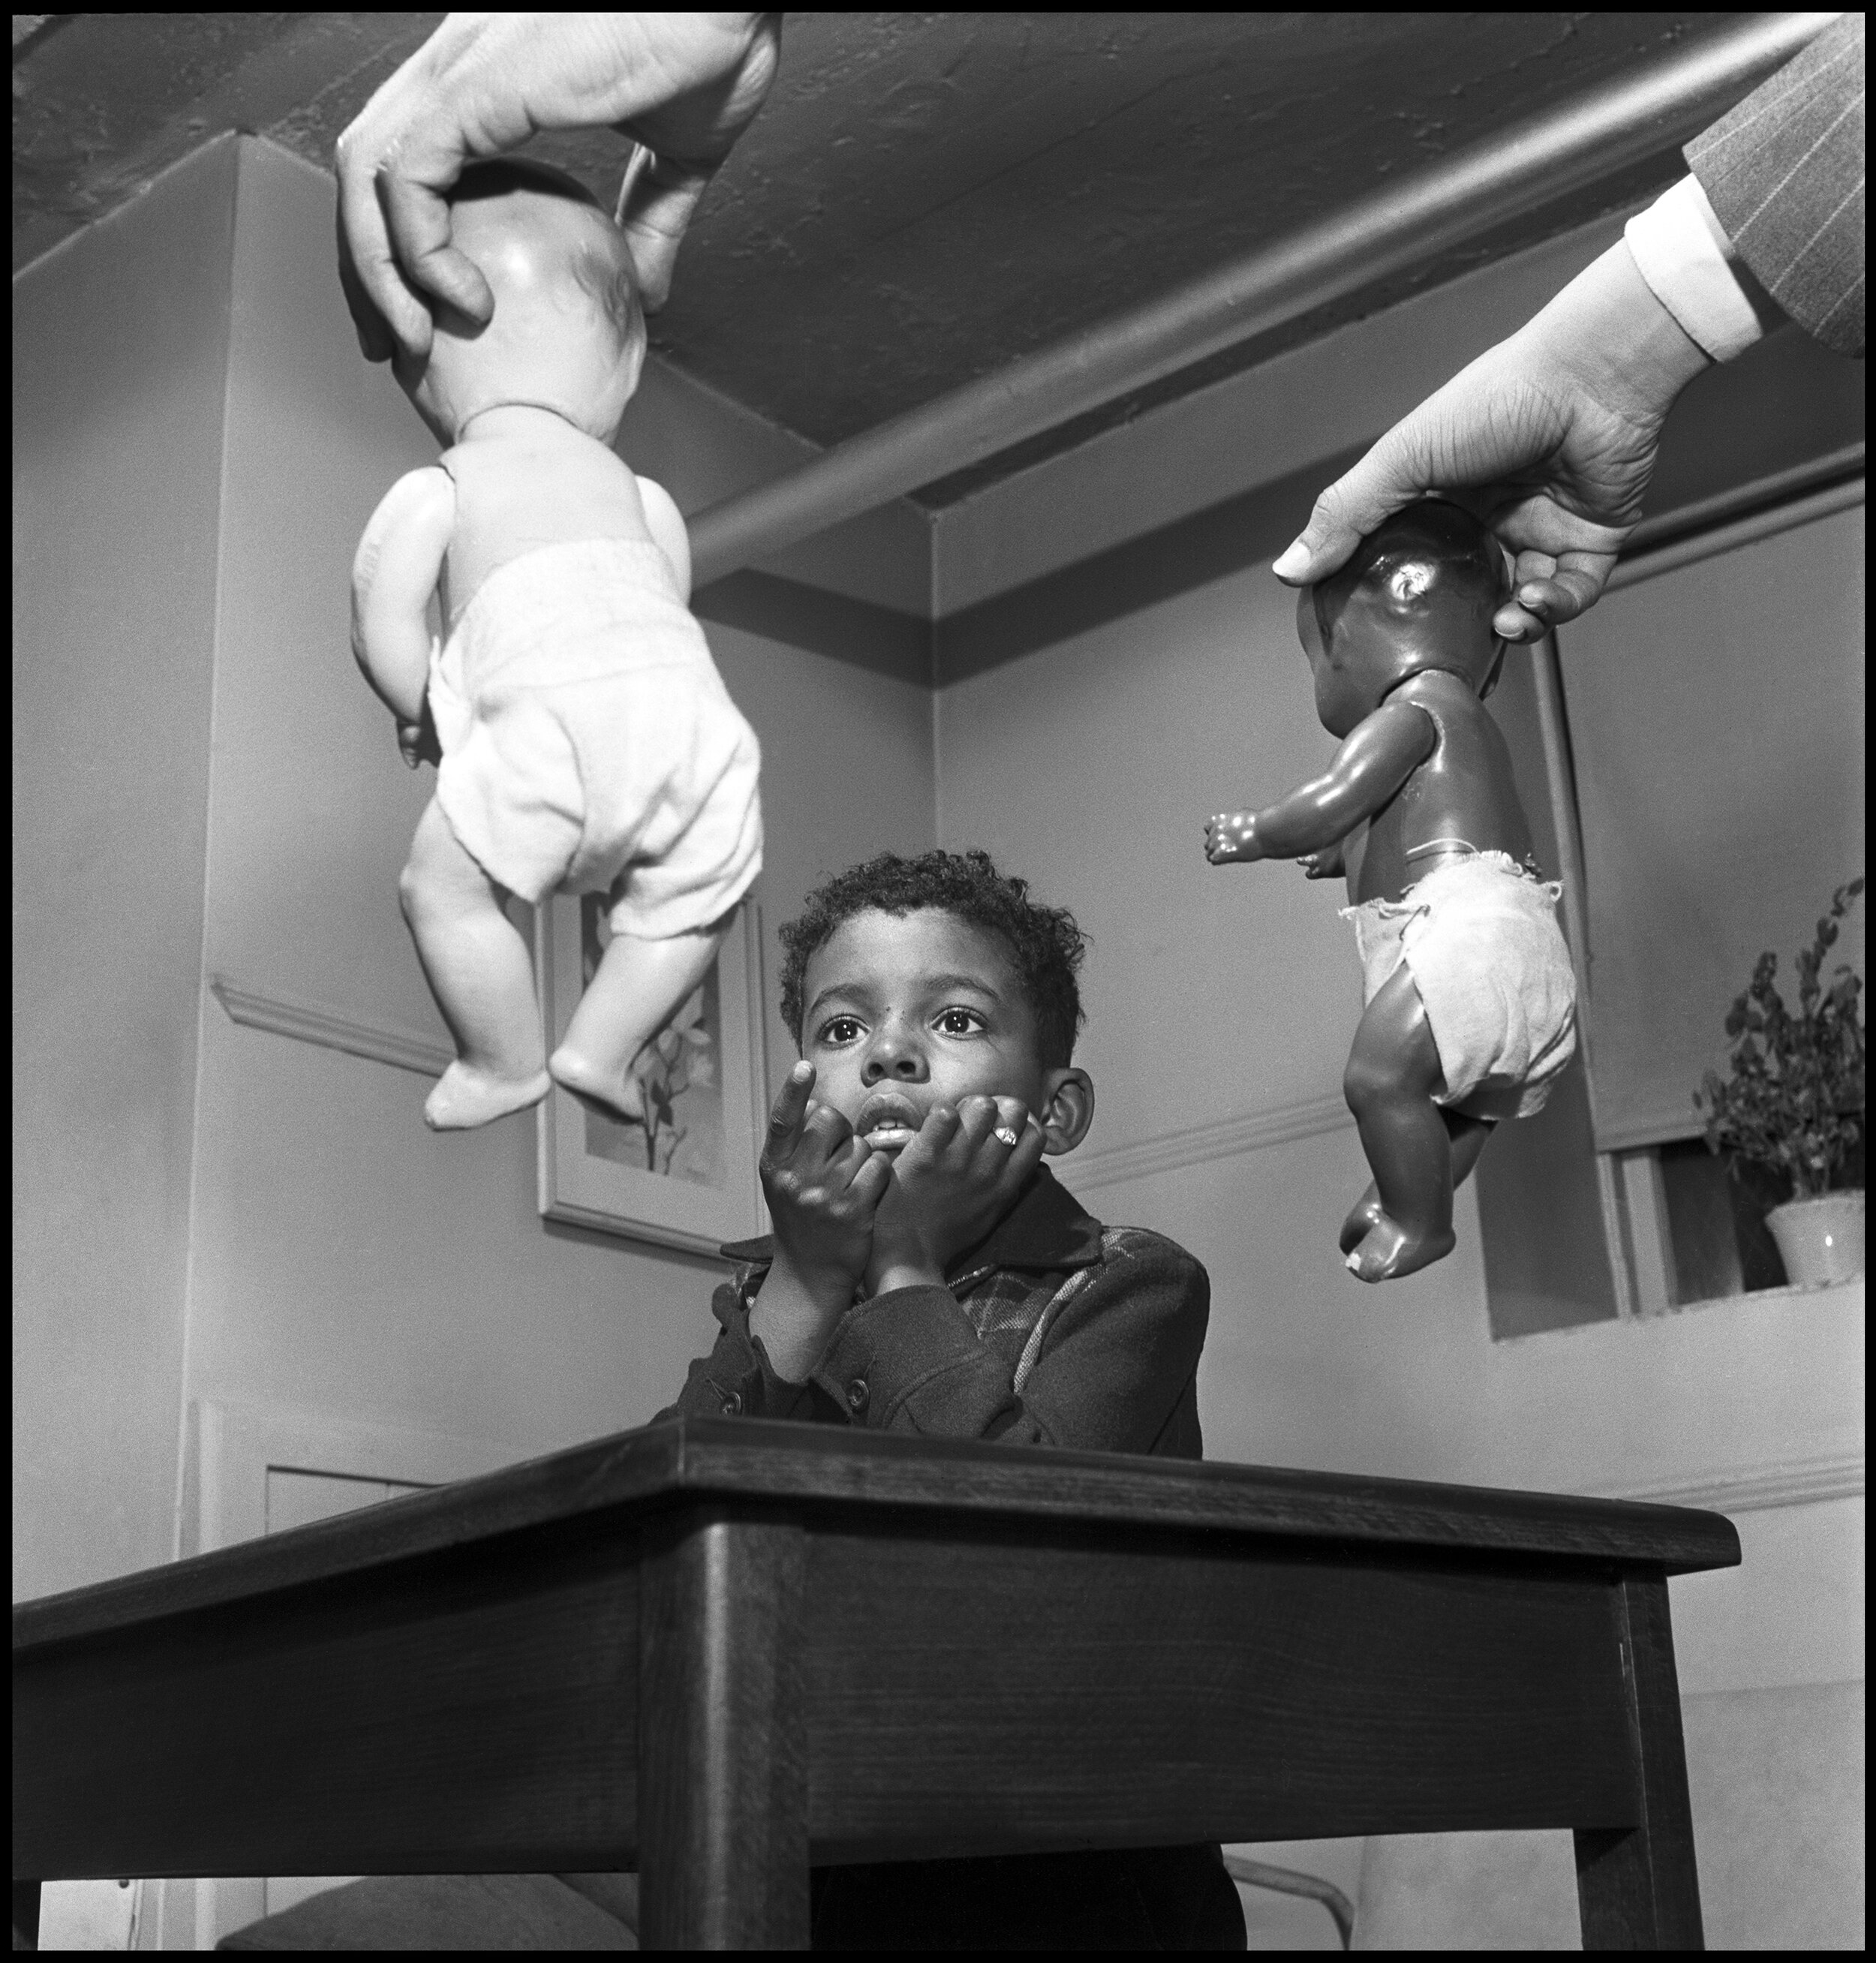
(683, 86)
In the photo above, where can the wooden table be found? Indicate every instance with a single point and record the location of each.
(721, 1650)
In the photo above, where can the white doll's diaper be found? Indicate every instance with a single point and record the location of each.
(589, 744)
(1481, 938)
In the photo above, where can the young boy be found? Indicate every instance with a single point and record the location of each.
(928, 1275)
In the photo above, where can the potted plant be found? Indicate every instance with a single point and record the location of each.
(1794, 1104)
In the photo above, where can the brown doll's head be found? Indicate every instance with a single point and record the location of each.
(1419, 593)
(567, 332)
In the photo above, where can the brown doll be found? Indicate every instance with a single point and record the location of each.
(1470, 1002)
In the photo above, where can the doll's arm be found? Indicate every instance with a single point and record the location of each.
(1383, 751)
(399, 561)
(666, 524)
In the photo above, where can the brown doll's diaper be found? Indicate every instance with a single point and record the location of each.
(1480, 937)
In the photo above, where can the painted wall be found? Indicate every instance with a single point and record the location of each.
(119, 344)
(704, 447)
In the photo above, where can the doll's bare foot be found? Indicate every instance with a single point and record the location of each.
(1364, 1214)
(1388, 1251)
(612, 1093)
(464, 1097)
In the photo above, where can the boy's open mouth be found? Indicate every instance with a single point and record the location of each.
(888, 1121)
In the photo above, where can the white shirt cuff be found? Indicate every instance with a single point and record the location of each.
(1683, 253)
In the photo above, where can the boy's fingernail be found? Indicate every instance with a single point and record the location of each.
(1294, 558)
(801, 1073)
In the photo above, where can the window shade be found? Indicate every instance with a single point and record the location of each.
(1716, 715)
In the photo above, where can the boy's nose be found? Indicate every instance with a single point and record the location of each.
(894, 1054)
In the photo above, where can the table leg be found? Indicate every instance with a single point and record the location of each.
(1637, 1887)
(722, 1762)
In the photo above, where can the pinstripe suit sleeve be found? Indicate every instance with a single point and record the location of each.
(1784, 173)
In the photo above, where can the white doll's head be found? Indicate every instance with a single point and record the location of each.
(567, 333)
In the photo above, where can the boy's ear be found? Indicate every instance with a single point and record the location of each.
(1067, 1110)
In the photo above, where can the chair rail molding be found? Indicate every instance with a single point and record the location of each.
(1222, 1138)
(1795, 1482)
(309, 1021)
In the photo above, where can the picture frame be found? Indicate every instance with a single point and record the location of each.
(687, 1177)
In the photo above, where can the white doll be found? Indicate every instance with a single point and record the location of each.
(584, 739)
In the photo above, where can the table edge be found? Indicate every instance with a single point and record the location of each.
(747, 1463)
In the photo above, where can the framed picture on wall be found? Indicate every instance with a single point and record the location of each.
(686, 1176)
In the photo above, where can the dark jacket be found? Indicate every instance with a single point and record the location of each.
(1784, 173)
(1059, 1331)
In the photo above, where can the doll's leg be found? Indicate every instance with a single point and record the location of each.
(478, 968)
(1468, 1136)
(1393, 1075)
(641, 984)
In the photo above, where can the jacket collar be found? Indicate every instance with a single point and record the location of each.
(1048, 1228)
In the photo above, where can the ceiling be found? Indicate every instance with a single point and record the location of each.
(925, 197)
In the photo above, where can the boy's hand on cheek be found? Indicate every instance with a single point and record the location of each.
(822, 1185)
(951, 1186)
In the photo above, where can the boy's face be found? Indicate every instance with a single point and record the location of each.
(906, 1011)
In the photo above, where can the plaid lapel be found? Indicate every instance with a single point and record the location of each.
(1007, 1284)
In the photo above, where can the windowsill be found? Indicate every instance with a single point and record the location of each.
(1815, 1293)
(1760, 1406)
(1790, 1291)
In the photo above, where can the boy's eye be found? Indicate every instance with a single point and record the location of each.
(960, 1022)
(841, 1030)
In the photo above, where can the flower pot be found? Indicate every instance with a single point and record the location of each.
(1820, 1241)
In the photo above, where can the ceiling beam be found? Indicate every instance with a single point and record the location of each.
(1592, 137)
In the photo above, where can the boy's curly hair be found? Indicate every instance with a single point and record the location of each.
(1047, 946)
